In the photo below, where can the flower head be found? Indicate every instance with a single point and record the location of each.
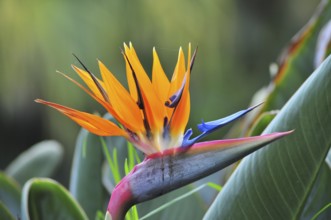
(153, 115)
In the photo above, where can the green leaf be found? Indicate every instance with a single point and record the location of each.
(99, 216)
(320, 195)
(44, 198)
(10, 194)
(321, 211)
(164, 207)
(41, 160)
(328, 159)
(191, 207)
(85, 179)
(275, 182)
(5, 213)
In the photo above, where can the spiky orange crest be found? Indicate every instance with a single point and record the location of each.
(153, 113)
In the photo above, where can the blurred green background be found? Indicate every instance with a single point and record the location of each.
(237, 42)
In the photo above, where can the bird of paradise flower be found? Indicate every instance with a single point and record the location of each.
(153, 115)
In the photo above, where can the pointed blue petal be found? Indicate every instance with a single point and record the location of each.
(208, 127)
(187, 142)
(213, 125)
(188, 134)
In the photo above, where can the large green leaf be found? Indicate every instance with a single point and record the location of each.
(274, 182)
(40, 160)
(85, 179)
(320, 195)
(44, 198)
(10, 194)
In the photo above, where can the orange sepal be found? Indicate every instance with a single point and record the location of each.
(85, 76)
(160, 81)
(121, 101)
(105, 104)
(182, 112)
(154, 108)
(179, 73)
(181, 115)
(90, 122)
(131, 83)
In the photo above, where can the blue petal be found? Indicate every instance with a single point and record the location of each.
(189, 142)
(175, 98)
(188, 134)
(208, 127)
(213, 125)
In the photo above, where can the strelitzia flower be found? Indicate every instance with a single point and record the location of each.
(153, 115)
